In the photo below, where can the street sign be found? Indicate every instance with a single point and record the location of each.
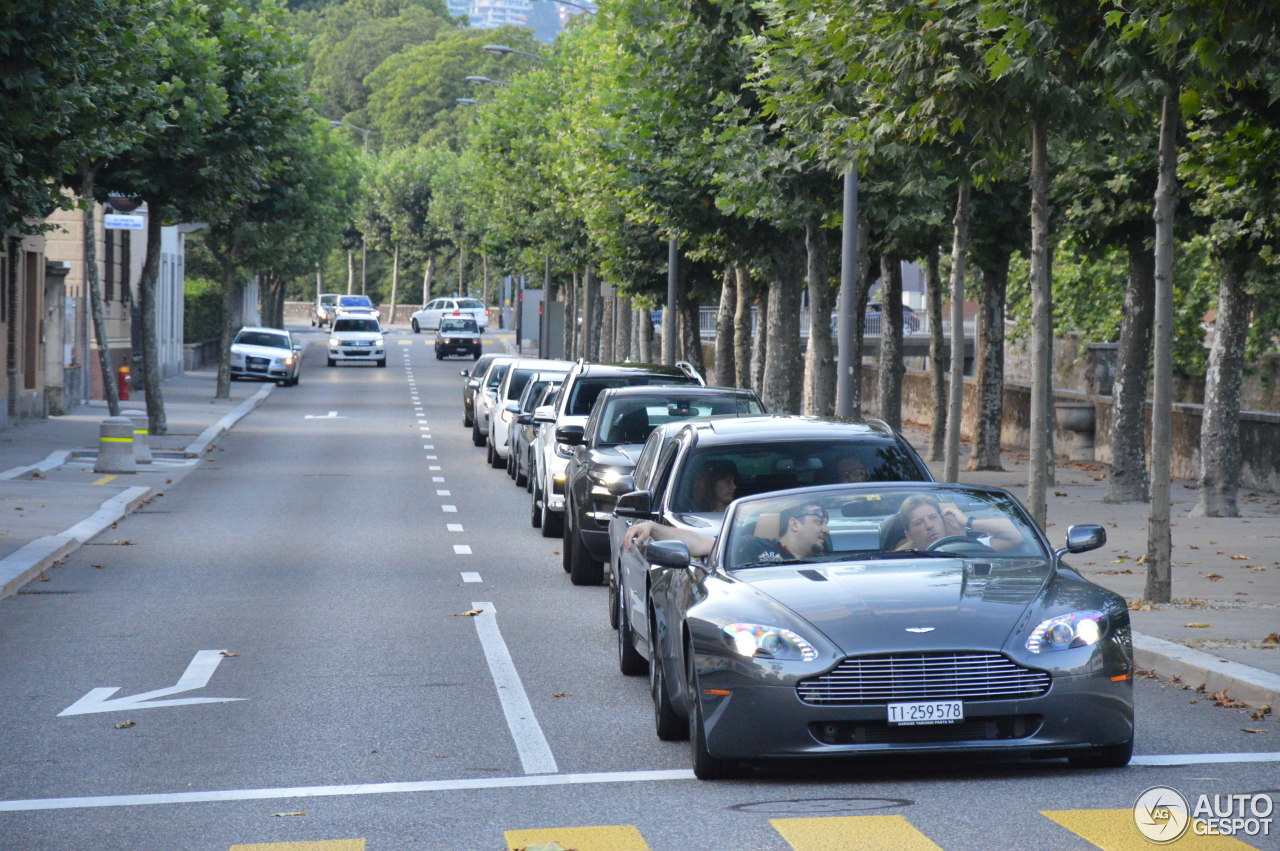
(119, 221)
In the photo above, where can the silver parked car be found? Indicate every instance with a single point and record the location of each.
(886, 618)
(266, 354)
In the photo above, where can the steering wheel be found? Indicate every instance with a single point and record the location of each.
(950, 539)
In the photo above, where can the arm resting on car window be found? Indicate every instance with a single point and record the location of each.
(699, 545)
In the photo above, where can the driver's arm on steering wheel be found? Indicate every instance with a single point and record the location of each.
(1001, 533)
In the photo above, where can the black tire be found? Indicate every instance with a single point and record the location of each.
(382, 363)
(329, 362)
(529, 473)
(552, 523)
(511, 462)
(1107, 756)
(413, 323)
(466, 416)
(495, 460)
(522, 477)
(535, 514)
(630, 662)
(667, 723)
(477, 439)
(439, 356)
(706, 766)
(614, 594)
(583, 569)
(475, 355)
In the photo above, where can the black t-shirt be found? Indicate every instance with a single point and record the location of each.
(754, 549)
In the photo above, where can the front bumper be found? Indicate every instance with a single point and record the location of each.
(458, 348)
(357, 352)
(757, 721)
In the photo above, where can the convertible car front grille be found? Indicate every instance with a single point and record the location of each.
(862, 680)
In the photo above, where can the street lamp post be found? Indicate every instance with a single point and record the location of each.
(364, 245)
(503, 50)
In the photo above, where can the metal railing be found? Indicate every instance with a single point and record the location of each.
(916, 326)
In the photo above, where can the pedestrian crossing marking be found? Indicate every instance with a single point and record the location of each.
(866, 833)
(322, 845)
(613, 837)
(1114, 830)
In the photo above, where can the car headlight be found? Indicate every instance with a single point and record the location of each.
(334, 341)
(288, 361)
(768, 642)
(378, 342)
(1078, 629)
(605, 476)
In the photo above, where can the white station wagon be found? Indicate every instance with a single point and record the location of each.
(428, 319)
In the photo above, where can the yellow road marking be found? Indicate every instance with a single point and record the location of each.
(404, 342)
(613, 837)
(104, 480)
(866, 833)
(1114, 830)
(323, 845)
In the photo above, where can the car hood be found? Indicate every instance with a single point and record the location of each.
(260, 351)
(621, 456)
(453, 335)
(862, 606)
(354, 336)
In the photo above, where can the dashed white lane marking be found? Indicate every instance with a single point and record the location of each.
(535, 753)
(354, 789)
(422, 422)
(471, 577)
(433, 467)
(440, 492)
(437, 478)
(432, 457)
(454, 527)
(461, 550)
(428, 445)
(449, 509)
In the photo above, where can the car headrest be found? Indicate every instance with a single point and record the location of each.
(768, 526)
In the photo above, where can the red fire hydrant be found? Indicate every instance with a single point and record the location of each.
(122, 382)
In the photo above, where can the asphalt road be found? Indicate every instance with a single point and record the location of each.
(315, 583)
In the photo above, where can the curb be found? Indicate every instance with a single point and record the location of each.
(210, 436)
(1254, 686)
(55, 459)
(29, 562)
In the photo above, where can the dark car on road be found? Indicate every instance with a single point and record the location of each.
(764, 454)
(578, 393)
(470, 381)
(967, 636)
(604, 455)
(457, 335)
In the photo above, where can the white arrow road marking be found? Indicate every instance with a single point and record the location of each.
(196, 676)
(332, 415)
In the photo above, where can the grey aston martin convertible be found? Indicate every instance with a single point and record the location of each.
(884, 619)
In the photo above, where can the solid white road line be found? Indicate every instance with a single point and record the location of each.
(1204, 758)
(471, 577)
(535, 753)
(461, 550)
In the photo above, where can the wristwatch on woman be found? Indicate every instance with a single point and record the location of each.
(968, 525)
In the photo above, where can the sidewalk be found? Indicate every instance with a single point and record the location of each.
(1223, 629)
(51, 500)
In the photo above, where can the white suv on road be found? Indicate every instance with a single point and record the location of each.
(428, 319)
(356, 338)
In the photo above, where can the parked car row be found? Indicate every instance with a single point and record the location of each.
(800, 587)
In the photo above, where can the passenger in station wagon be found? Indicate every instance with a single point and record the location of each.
(715, 486)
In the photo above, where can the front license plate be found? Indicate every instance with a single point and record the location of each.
(936, 712)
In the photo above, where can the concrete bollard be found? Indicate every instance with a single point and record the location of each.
(141, 441)
(115, 446)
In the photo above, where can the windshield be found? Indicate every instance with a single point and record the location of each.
(357, 325)
(456, 324)
(587, 390)
(762, 467)
(862, 522)
(496, 374)
(633, 418)
(262, 338)
(355, 301)
(470, 304)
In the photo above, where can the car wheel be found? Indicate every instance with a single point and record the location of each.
(522, 477)
(552, 523)
(329, 362)
(413, 323)
(583, 569)
(706, 766)
(496, 461)
(667, 723)
(630, 663)
(477, 439)
(614, 618)
(535, 515)
(1107, 756)
(382, 363)
(438, 355)
(476, 355)
(511, 462)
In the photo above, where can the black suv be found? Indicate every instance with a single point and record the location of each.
(578, 393)
(761, 454)
(605, 453)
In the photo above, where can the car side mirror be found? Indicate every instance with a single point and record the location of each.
(667, 553)
(636, 505)
(545, 414)
(570, 435)
(512, 407)
(465, 374)
(524, 419)
(1081, 539)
